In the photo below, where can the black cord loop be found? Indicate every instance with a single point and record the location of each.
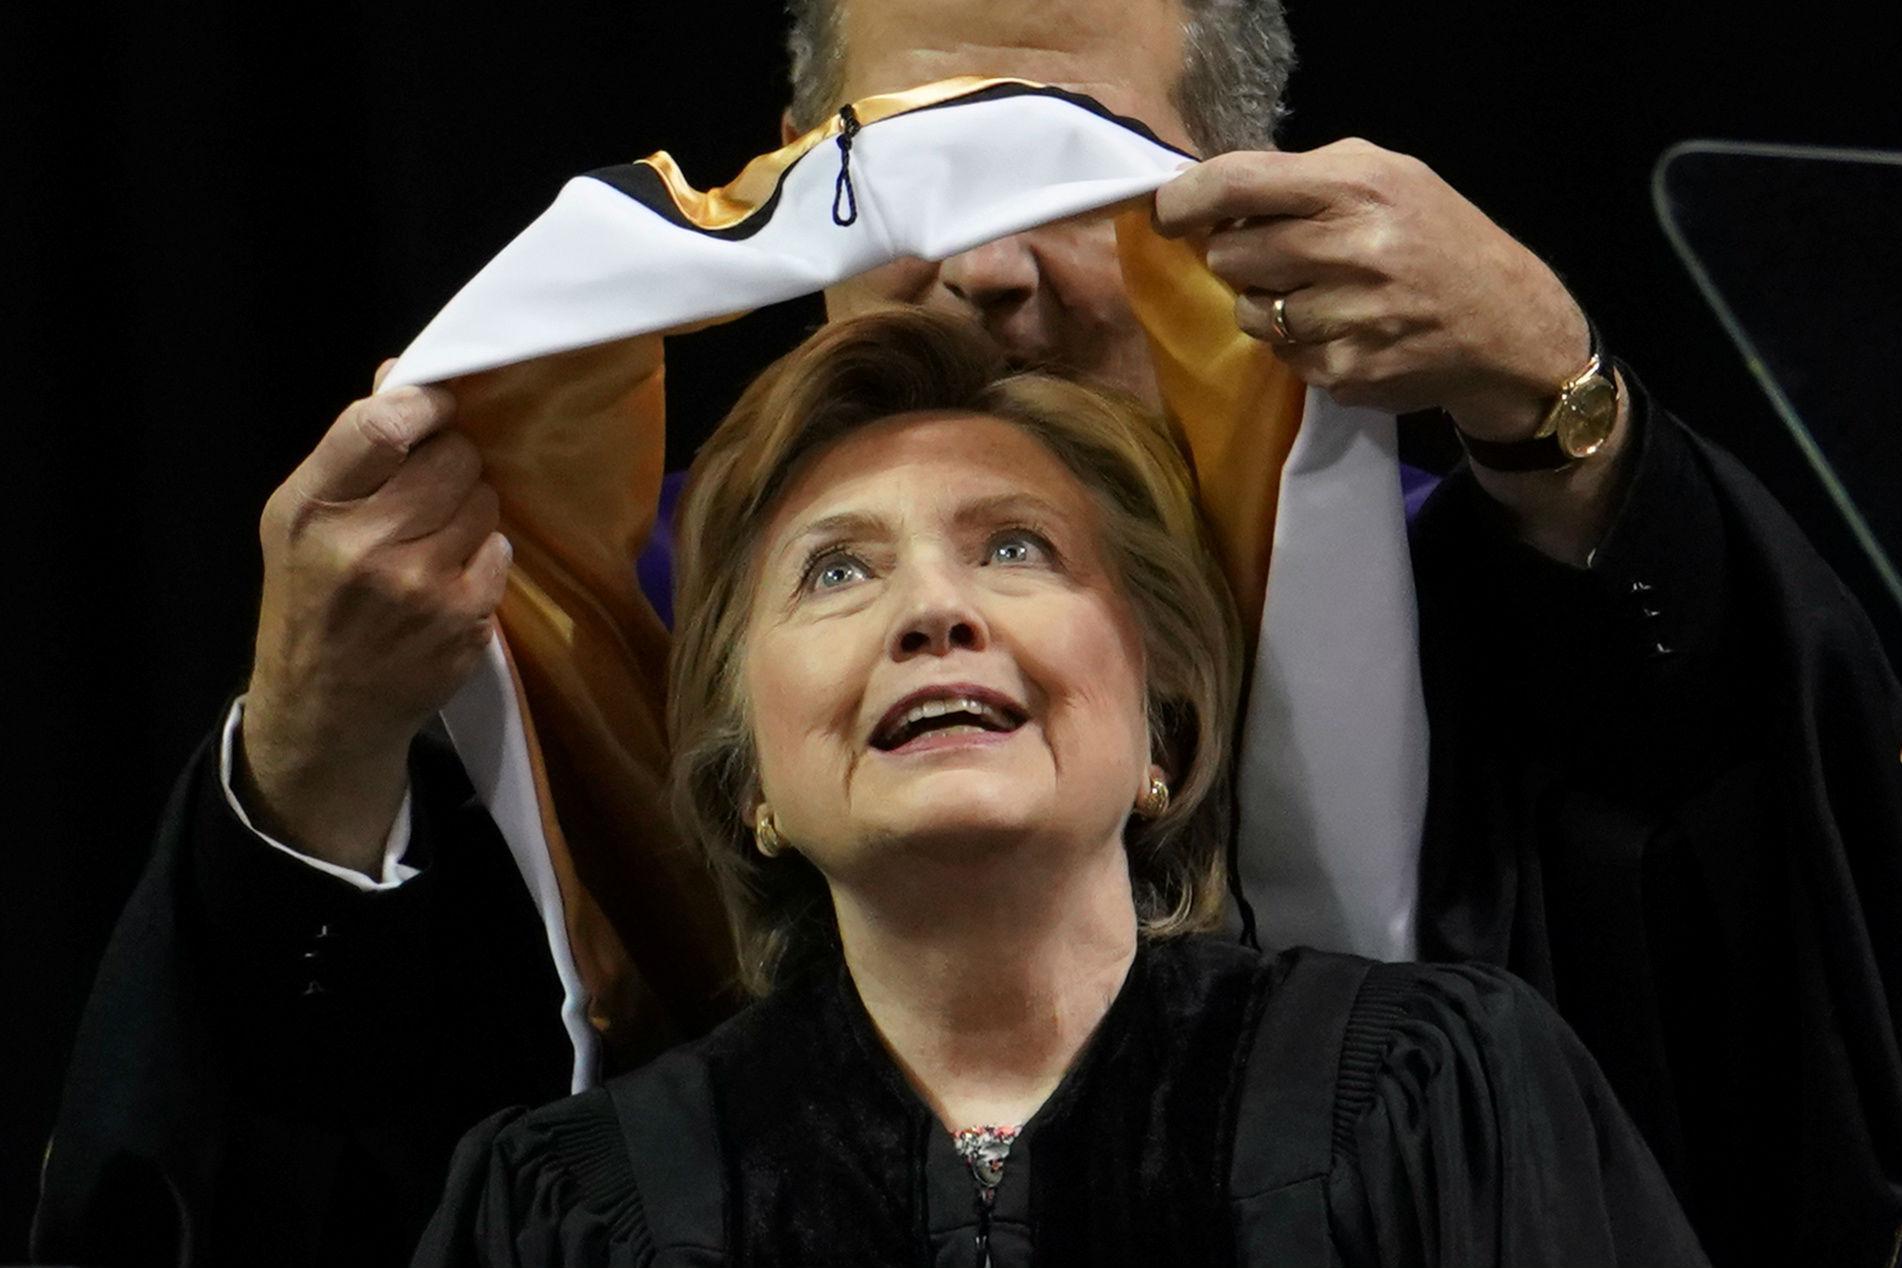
(842, 192)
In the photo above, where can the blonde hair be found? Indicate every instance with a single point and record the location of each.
(856, 372)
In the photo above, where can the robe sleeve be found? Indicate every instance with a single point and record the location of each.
(273, 1065)
(1475, 1130)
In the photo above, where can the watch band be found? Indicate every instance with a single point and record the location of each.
(1543, 452)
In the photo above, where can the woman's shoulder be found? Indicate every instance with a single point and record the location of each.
(560, 1176)
(1461, 1002)
(1409, 1018)
(596, 1131)
(1376, 1001)
(630, 1164)
(1335, 1034)
(1421, 1106)
(1327, 999)
(1343, 1015)
(1463, 1114)
(577, 1135)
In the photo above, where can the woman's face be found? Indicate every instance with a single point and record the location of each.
(938, 661)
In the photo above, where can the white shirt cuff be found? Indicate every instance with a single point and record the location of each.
(393, 872)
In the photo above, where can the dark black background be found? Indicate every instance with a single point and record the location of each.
(220, 218)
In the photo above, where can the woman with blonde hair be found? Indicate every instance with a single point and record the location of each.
(952, 700)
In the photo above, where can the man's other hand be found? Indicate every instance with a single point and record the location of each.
(382, 572)
(1399, 294)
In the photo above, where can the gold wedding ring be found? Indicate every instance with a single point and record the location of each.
(1278, 320)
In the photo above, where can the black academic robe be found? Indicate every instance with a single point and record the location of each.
(1667, 790)
(1301, 1113)
(1685, 829)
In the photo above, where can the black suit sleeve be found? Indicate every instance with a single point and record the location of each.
(274, 1066)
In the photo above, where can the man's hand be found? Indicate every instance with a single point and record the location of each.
(382, 572)
(1397, 293)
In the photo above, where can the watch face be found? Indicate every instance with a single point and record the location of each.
(1589, 414)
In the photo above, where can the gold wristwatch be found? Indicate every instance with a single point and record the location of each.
(1576, 426)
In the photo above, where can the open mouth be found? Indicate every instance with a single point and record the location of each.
(946, 715)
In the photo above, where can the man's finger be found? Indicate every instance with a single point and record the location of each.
(1316, 316)
(368, 442)
(382, 372)
(427, 489)
(480, 588)
(1303, 318)
(1243, 185)
(1273, 255)
(454, 544)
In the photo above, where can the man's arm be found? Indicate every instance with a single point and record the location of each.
(232, 771)
(382, 572)
(289, 1030)
(275, 1064)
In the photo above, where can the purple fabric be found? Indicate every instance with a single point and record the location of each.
(655, 567)
(1415, 485)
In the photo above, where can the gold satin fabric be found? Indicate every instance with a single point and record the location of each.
(1237, 403)
(574, 445)
(729, 204)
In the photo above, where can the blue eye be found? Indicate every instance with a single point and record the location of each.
(831, 572)
(1019, 546)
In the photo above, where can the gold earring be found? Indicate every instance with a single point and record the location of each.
(766, 833)
(1155, 799)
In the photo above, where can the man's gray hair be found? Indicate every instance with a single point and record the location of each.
(1236, 61)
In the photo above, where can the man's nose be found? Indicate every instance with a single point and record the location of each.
(938, 617)
(993, 279)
